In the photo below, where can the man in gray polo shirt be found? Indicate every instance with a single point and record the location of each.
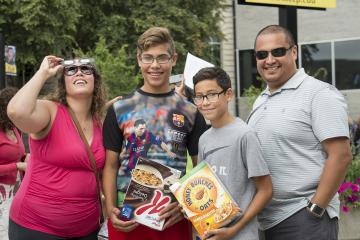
(301, 123)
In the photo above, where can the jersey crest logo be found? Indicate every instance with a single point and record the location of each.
(178, 120)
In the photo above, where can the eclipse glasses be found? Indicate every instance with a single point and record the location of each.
(85, 66)
(77, 60)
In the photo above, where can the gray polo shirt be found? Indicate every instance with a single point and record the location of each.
(291, 123)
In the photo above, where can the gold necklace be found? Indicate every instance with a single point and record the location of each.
(85, 125)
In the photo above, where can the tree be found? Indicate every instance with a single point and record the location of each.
(120, 22)
(41, 27)
(118, 76)
(38, 28)
(192, 23)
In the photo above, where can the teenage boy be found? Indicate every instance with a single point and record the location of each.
(233, 151)
(168, 116)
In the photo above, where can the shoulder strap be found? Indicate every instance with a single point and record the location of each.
(83, 138)
(90, 154)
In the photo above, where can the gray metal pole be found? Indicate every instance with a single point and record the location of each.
(2, 61)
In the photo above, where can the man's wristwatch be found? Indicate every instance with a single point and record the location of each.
(315, 209)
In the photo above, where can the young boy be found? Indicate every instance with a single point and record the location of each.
(175, 121)
(233, 151)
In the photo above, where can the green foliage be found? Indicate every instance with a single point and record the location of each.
(117, 74)
(353, 172)
(64, 27)
(39, 27)
(349, 191)
(253, 92)
(120, 22)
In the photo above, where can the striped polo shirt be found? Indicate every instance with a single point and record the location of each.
(291, 123)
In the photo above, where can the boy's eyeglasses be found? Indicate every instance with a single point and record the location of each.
(277, 52)
(148, 59)
(73, 69)
(211, 97)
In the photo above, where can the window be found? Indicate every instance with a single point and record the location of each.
(335, 62)
(247, 70)
(214, 51)
(347, 64)
(316, 60)
(342, 70)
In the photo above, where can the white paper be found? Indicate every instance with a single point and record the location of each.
(192, 65)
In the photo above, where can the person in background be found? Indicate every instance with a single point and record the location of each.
(167, 115)
(184, 90)
(12, 154)
(233, 151)
(10, 55)
(356, 136)
(58, 198)
(302, 126)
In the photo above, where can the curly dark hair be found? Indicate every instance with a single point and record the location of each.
(99, 95)
(5, 95)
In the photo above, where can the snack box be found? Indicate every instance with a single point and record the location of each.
(149, 192)
(205, 200)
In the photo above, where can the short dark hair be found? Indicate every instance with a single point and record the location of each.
(276, 29)
(215, 73)
(139, 121)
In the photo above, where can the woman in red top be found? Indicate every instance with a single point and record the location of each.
(11, 152)
(58, 197)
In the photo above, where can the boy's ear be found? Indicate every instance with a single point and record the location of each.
(174, 59)
(229, 94)
(138, 60)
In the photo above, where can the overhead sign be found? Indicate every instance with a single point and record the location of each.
(298, 3)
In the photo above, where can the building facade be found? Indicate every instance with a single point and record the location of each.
(328, 43)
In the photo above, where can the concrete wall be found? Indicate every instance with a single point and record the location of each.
(313, 25)
(334, 23)
(339, 23)
(353, 100)
(227, 46)
(349, 225)
(249, 20)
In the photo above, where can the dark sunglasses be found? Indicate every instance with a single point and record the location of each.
(277, 52)
(73, 69)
